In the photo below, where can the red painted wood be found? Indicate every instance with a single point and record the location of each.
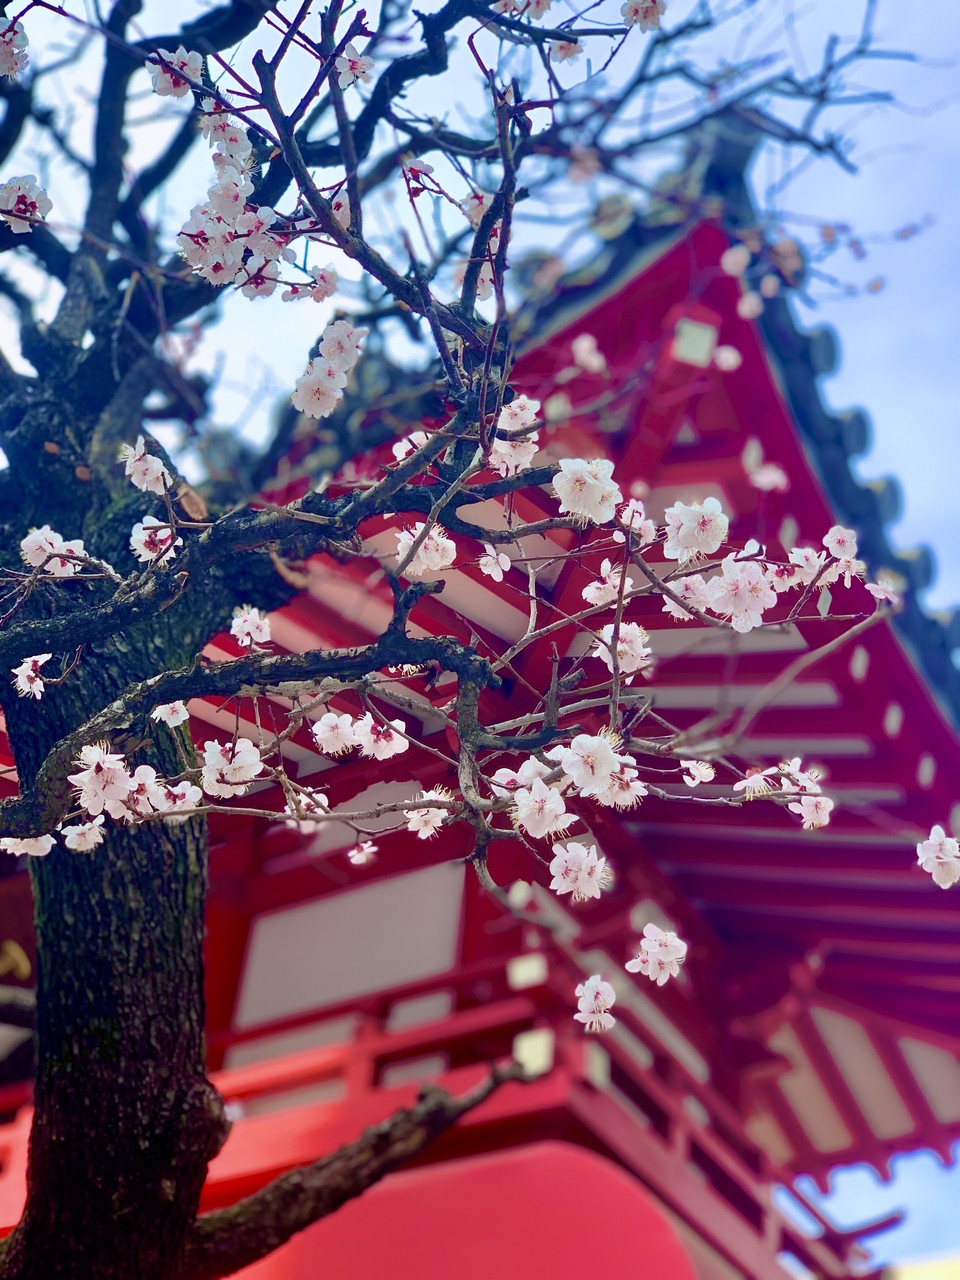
(551, 1209)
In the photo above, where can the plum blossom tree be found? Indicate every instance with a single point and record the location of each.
(130, 534)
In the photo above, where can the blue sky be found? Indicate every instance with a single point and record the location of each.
(899, 353)
(920, 1185)
(899, 363)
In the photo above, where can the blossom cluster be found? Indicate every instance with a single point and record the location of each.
(320, 388)
(46, 549)
(13, 50)
(436, 551)
(226, 240)
(23, 204)
(939, 855)
(338, 732)
(514, 444)
(659, 958)
(748, 584)
(104, 785)
(591, 767)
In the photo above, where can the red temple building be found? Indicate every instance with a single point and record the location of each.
(815, 1023)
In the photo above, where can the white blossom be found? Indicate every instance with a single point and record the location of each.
(595, 998)
(645, 15)
(660, 956)
(632, 517)
(221, 131)
(590, 761)
(735, 260)
(755, 783)
(846, 567)
(514, 445)
(741, 593)
(540, 810)
(152, 539)
(623, 789)
(211, 246)
(606, 589)
(506, 781)
(334, 734)
(171, 713)
(250, 627)
(587, 490)
(493, 563)
(475, 205)
(727, 359)
(45, 547)
(577, 869)
(403, 448)
(485, 279)
(362, 854)
(808, 564)
(415, 168)
(166, 82)
(694, 530)
(146, 796)
(750, 305)
(27, 677)
(297, 812)
(145, 471)
(697, 771)
(565, 50)
(586, 354)
(325, 282)
(13, 50)
(939, 854)
(179, 799)
(840, 542)
(352, 67)
(229, 767)
(319, 389)
(84, 836)
(436, 552)
(340, 344)
(633, 653)
(768, 478)
(32, 846)
(103, 783)
(813, 810)
(795, 778)
(425, 823)
(261, 277)
(885, 590)
(340, 207)
(692, 590)
(380, 741)
(23, 203)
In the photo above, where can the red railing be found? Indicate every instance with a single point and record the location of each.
(625, 1094)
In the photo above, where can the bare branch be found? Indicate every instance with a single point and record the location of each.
(231, 1239)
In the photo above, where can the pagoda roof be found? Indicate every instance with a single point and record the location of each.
(716, 172)
(824, 965)
(820, 993)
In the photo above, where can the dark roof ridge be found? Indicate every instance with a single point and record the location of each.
(714, 181)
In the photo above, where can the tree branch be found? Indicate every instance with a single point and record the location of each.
(231, 1239)
(38, 810)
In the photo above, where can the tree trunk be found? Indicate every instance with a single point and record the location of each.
(125, 1120)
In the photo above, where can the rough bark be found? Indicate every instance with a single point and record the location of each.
(125, 1120)
(233, 1238)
